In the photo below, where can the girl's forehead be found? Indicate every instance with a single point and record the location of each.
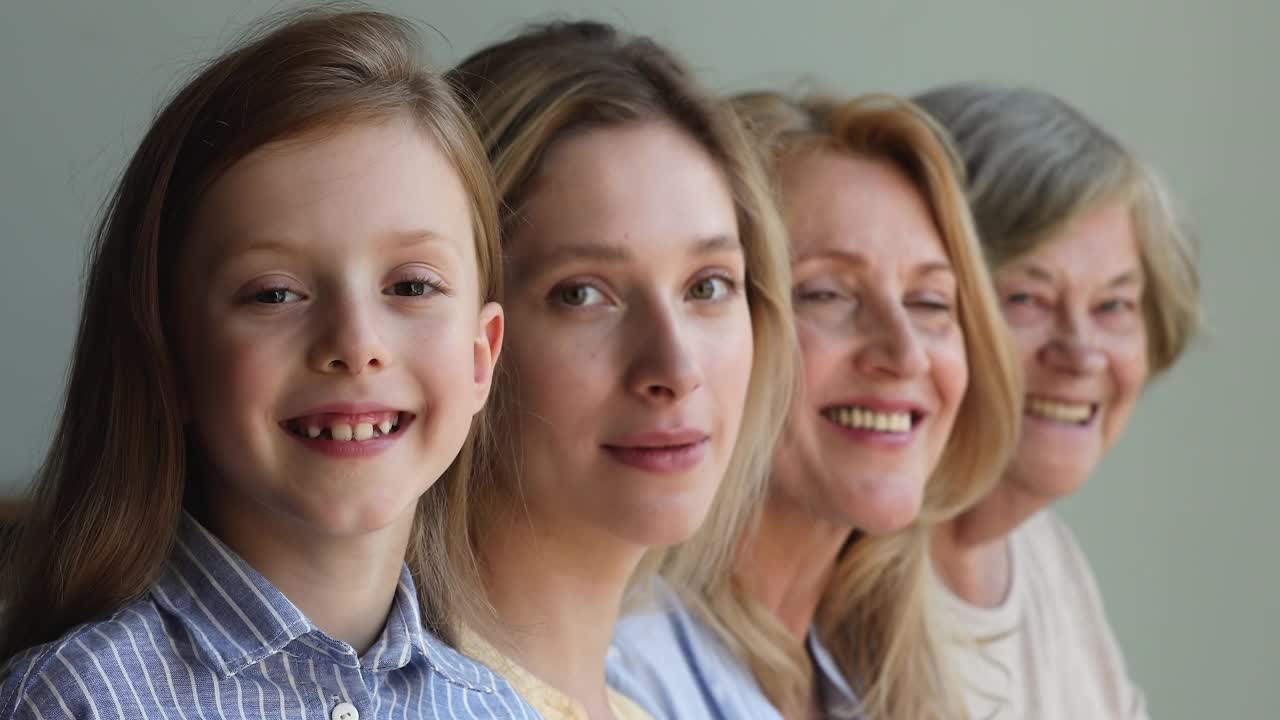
(384, 185)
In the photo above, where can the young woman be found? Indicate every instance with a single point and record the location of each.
(909, 408)
(1099, 285)
(288, 327)
(650, 329)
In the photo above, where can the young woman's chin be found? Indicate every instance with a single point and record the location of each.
(661, 521)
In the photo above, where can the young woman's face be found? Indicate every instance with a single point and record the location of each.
(1074, 304)
(884, 354)
(333, 345)
(631, 339)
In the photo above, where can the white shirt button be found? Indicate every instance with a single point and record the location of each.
(345, 711)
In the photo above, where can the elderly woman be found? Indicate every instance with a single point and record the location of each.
(1099, 286)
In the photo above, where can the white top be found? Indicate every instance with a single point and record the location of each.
(1046, 653)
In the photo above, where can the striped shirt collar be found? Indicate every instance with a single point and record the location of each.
(237, 617)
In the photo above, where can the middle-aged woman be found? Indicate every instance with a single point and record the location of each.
(1099, 284)
(908, 410)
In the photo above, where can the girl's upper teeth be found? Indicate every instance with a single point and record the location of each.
(861, 418)
(365, 428)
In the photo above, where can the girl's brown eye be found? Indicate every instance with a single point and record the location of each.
(576, 295)
(273, 296)
(410, 289)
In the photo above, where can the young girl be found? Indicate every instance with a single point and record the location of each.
(907, 409)
(286, 333)
(652, 346)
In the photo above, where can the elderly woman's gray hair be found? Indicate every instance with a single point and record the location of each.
(1034, 163)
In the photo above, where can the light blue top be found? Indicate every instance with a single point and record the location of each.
(677, 668)
(213, 639)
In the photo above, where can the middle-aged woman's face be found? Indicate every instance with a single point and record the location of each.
(884, 353)
(1074, 304)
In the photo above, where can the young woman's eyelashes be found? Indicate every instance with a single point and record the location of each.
(579, 294)
(710, 286)
(713, 286)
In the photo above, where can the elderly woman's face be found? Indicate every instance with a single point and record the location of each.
(1074, 304)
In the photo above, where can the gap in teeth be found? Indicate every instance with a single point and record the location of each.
(345, 432)
(860, 418)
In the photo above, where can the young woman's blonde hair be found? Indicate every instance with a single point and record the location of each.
(1035, 163)
(106, 506)
(552, 82)
(875, 615)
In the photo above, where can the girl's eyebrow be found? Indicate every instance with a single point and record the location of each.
(284, 246)
(408, 238)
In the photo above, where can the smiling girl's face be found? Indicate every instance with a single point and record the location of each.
(333, 344)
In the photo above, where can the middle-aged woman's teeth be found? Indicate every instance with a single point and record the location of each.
(860, 418)
(1071, 413)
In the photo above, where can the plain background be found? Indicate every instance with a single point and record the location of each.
(1178, 522)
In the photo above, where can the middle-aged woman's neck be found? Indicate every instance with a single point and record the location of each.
(788, 562)
(971, 552)
(558, 595)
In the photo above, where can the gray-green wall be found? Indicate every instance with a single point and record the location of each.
(1179, 521)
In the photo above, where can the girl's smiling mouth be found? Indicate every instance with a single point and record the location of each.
(348, 427)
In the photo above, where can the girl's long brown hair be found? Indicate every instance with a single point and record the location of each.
(107, 502)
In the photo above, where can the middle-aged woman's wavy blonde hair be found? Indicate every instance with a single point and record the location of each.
(1035, 163)
(875, 615)
(554, 81)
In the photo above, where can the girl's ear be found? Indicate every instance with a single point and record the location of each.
(487, 348)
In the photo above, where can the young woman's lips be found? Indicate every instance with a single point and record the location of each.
(348, 431)
(673, 451)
